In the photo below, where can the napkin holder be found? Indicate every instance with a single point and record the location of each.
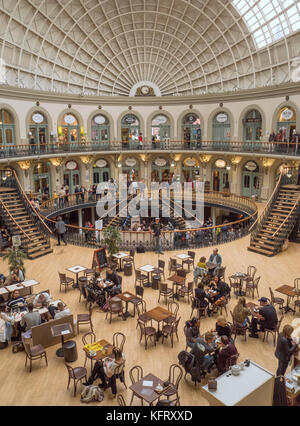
(212, 384)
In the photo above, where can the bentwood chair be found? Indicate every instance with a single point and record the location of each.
(170, 330)
(65, 281)
(237, 329)
(33, 352)
(76, 374)
(173, 307)
(142, 315)
(139, 292)
(140, 278)
(252, 286)
(88, 338)
(136, 374)
(83, 319)
(165, 291)
(114, 307)
(119, 340)
(201, 310)
(190, 261)
(121, 401)
(274, 332)
(161, 268)
(147, 332)
(276, 300)
(130, 258)
(175, 376)
(186, 291)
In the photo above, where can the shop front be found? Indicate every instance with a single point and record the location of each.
(252, 129)
(252, 180)
(38, 132)
(191, 131)
(130, 131)
(190, 170)
(221, 131)
(101, 171)
(101, 130)
(160, 130)
(221, 176)
(161, 170)
(41, 178)
(71, 175)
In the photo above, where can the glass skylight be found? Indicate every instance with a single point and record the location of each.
(269, 20)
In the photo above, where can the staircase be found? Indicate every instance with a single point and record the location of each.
(278, 222)
(19, 221)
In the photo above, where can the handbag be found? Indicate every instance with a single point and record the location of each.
(212, 384)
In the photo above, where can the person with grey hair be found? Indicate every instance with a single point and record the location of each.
(60, 229)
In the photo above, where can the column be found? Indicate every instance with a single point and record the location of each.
(80, 220)
(93, 216)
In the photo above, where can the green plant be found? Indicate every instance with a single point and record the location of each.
(112, 239)
(15, 258)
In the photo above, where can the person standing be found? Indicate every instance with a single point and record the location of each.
(140, 141)
(77, 192)
(62, 194)
(285, 349)
(60, 229)
(157, 236)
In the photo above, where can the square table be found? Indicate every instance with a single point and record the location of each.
(126, 297)
(240, 276)
(183, 257)
(120, 256)
(29, 284)
(290, 292)
(3, 291)
(76, 270)
(13, 287)
(177, 280)
(251, 306)
(158, 314)
(61, 330)
(148, 269)
(145, 388)
(99, 354)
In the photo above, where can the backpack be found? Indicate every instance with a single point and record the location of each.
(17, 347)
(91, 393)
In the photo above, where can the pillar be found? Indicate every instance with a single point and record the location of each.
(80, 220)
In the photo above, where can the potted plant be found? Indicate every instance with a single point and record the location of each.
(112, 240)
(15, 258)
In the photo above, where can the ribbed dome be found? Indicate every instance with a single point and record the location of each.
(182, 47)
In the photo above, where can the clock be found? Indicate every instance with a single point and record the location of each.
(145, 90)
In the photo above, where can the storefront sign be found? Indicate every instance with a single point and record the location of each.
(287, 114)
(251, 166)
(71, 165)
(130, 119)
(130, 162)
(160, 162)
(37, 118)
(101, 163)
(160, 119)
(190, 162)
(99, 119)
(222, 118)
(70, 119)
(220, 164)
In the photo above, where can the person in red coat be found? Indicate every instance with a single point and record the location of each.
(227, 350)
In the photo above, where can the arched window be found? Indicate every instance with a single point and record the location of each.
(251, 179)
(160, 128)
(286, 124)
(252, 124)
(100, 129)
(161, 170)
(130, 130)
(42, 178)
(7, 128)
(101, 171)
(69, 129)
(221, 127)
(191, 129)
(38, 130)
(190, 169)
(221, 175)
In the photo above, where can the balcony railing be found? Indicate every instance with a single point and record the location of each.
(58, 148)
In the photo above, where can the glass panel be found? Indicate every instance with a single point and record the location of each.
(75, 179)
(105, 176)
(1, 141)
(70, 120)
(191, 119)
(246, 181)
(249, 133)
(96, 177)
(9, 136)
(74, 135)
(104, 134)
(160, 120)
(7, 117)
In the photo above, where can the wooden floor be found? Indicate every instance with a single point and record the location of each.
(47, 385)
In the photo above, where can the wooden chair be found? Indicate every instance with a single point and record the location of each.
(274, 332)
(221, 272)
(173, 265)
(119, 340)
(76, 374)
(88, 338)
(252, 286)
(83, 319)
(161, 268)
(139, 292)
(190, 261)
(165, 291)
(196, 306)
(276, 300)
(121, 401)
(170, 330)
(147, 332)
(114, 307)
(186, 291)
(237, 329)
(234, 285)
(175, 376)
(172, 307)
(89, 272)
(33, 352)
(130, 258)
(142, 316)
(221, 306)
(140, 278)
(297, 301)
(65, 281)
(136, 374)
(82, 291)
(251, 271)
(119, 374)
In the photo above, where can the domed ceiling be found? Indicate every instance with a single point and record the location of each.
(179, 47)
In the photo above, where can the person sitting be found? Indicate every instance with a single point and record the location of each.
(223, 328)
(201, 269)
(240, 313)
(215, 258)
(16, 276)
(6, 327)
(30, 319)
(192, 331)
(285, 349)
(41, 299)
(203, 351)
(202, 295)
(2, 280)
(16, 301)
(62, 311)
(220, 287)
(106, 370)
(266, 318)
(227, 350)
(112, 276)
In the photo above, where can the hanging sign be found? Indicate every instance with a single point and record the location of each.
(130, 119)
(190, 162)
(37, 118)
(220, 164)
(160, 119)
(222, 117)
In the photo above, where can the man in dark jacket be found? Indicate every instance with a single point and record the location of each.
(267, 317)
(60, 230)
(285, 349)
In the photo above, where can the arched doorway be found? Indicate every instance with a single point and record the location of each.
(101, 171)
(252, 180)
(221, 130)
(190, 169)
(252, 129)
(286, 125)
(71, 175)
(160, 130)
(130, 130)
(161, 170)
(69, 129)
(101, 130)
(38, 131)
(41, 178)
(131, 168)
(191, 131)
(220, 176)
(7, 128)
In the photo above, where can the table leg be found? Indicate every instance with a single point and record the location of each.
(287, 308)
(158, 333)
(175, 295)
(127, 313)
(148, 284)
(75, 285)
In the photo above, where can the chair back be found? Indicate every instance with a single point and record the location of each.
(231, 361)
(161, 264)
(251, 271)
(297, 283)
(163, 286)
(195, 302)
(141, 307)
(256, 281)
(119, 340)
(136, 374)
(90, 309)
(181, 273)
(173, 307)
(190, 286)
(175, 325)
(192, 254)
(272, 295)
(62, 277)
(131, 253)
(26, 342)
(120, 280)
(175, 375)
(221, 272)
(279, 324)
(89, 338)
(137, 273)
(121, 401)
(139, 291)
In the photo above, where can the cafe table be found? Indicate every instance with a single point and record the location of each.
(240, 277)
(102, 349)
(13, 287)
(145, 388)
(120, 256)
(29, 284)
(158, 314)
(76, 270)
(290, 292)
(177, 280)
(126, 297)
(148, 269)
(183, 257)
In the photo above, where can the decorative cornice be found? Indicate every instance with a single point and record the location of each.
(282, 90)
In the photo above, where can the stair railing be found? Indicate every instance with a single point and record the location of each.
(13, 219)
(290, 217)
